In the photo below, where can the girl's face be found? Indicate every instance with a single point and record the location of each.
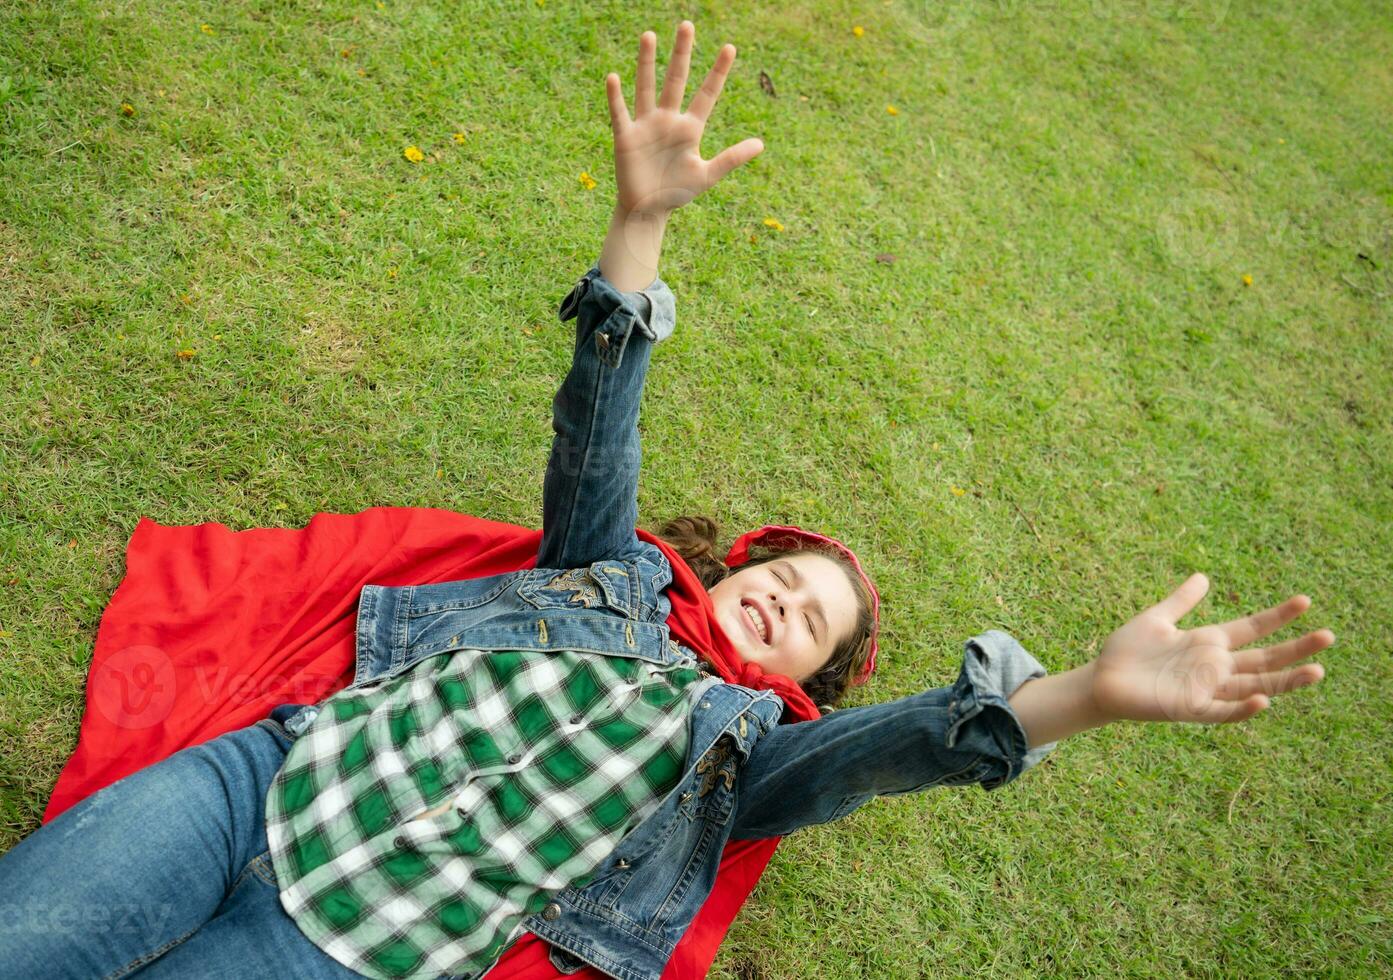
(787, 615)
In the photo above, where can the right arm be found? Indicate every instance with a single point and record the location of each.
(589, 493)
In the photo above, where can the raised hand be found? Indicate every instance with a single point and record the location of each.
(657, 153)
(1151, 670)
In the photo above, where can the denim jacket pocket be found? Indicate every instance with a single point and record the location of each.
(602, 585)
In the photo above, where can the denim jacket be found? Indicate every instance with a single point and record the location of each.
(598, 587)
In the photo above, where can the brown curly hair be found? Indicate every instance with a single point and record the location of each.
(694, 538)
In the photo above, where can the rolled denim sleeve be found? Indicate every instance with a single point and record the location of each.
(652, 310)
(967, 732)
(590, 491)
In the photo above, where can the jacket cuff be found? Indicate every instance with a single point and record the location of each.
(981, 718)
(653, 309)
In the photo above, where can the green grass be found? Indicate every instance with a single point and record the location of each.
(1073, 195)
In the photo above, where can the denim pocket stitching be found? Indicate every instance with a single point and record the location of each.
(575, 588)
(418, 609)
(276, 728)
(140, 961)
(261, 867)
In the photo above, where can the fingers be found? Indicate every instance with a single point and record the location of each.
(710, 91)
(644, 82)
(1220, 712)
(1174, 606)
(731, 157)
(1241, 632)
(618, 112)
(1282, 654)
(1240, 686)
(675, 85)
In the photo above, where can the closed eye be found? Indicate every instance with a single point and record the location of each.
(806, 618)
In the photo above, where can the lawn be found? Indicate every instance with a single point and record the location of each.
(1039, 306)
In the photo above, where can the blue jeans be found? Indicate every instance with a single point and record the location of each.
(165, 873)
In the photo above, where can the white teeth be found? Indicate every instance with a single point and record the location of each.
(759, 623)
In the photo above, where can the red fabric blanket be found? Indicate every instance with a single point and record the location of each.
(212, 628)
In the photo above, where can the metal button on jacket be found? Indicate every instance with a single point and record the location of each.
(552, 912)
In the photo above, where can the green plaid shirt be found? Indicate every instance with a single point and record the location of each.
(549, 758)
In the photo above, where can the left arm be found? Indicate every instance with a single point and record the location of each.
(816, 771)
(590, 491)
(1005, 712)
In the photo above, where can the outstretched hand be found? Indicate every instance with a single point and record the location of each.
(1151, 670)
(657, 153)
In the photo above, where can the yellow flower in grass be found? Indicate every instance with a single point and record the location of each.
(773, 223)
(1247, 280)
(459, 137)
(957, 491)
(892, 110)
(186, 353)
(859, 31)
(206, 28)
(127, 109)
(587, 181)
(413, 154)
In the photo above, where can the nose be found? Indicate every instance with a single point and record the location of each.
(778, 602)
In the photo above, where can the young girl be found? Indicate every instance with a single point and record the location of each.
(566, 750)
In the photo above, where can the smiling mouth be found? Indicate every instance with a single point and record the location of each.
(760, 627)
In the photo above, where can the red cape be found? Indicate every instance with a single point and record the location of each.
(212, 628)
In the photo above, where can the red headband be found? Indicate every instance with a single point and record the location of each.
(783, 537)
